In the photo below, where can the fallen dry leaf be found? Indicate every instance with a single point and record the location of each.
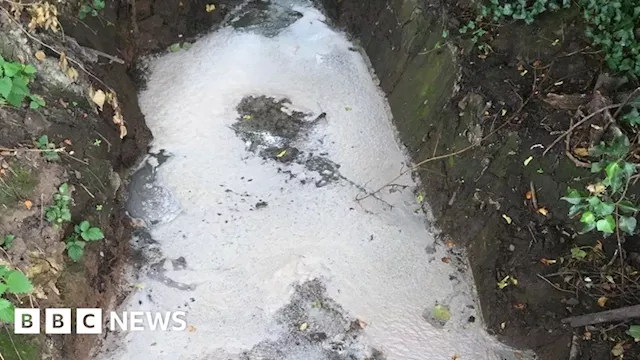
(543, 211)
(362, 324)
(72, 74)
(618, 349)
(68, 142)
(98, 97)
(449, 244)
(282, 153)
(62, 62)
(602, 301)
(40, 55)
(584, 152)
(519, 306)
(209, 7)
(587, 335)
(507, 219)
(28, 204)
(446, 260)
(598, 188)
(548, 261)
(191, 328)
(304, 326)
(528, 195)
(455, 357)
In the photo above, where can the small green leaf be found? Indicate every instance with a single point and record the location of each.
(573, 197)
(627, 224)
(7, 241)
(7, 311)
(578, 253)
(18, 283)
(84, 226)
(75, 251)
(445, 34)
(628, 207)
(441, 313)
(64, 188)
(606, 225)
(175, 47)
(588, 218)
(93, 234)
(634, 331)
(5, 86)
(604, 208)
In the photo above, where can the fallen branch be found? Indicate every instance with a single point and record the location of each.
(621, 314)
(571, 128)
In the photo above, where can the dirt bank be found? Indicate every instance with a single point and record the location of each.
(90, 156)
(446, 95)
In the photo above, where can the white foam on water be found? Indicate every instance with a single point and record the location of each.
(245, 261)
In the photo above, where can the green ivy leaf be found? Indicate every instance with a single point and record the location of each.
(606, 225)
(627, 224)
(574, 209)
(18, 283)
(573, 197)
(588, 218)
(604, 208)
(628, 207)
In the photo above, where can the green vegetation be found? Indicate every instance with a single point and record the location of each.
(48, 149)
(59, 212)
(610, 26)
(7, 241)
(92, 7)
(606, 206)
(14, 84)
(18, 184)
(11, 282)
(82, 233)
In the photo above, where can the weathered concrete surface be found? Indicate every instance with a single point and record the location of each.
(260, 237)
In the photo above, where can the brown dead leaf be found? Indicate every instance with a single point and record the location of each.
(28, 204)
(528, 195)
(362, 324)
(587, 335)
(543, 211)
(583, 152)
(598, 246)
(40, 55)
(455, 357)
(519, 306)
(596, 189)
(191, 328)
(446, 260)
(68, 142)
(602, 301)
(123, 131)
(450, 244)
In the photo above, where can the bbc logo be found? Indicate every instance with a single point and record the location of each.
(89, 321)
(58, 321)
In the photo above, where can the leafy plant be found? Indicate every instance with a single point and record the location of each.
(59, 212)
(606, 207)
(48, 149)
(82, 233)
(578, 254)
(7, 241)
(11, 282)
(14, 84)
(634, 332)
(93, 8)
(611, 25)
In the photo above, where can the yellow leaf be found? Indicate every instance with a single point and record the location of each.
(123, 131)
(282, 153)
(596, 189)
(618, 349)
(40, 55)
(420, 198)
(528, 160)
(602, 301)
(504, 112)
(62, 62)
(507, 219)
(543, 211)
(98, 97)
(581, 152)
(304, 326)
(210, 7)
(191, 328)
(247, 117)
(28, 204)
(72, 74)
(139, 286)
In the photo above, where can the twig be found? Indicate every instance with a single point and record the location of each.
(105, 55)
(534, 200)
(12, 343)
(620, 314)
(87, 190)
(554, 285)
(585, 119)
(625, 102)
(577, 162)
(574, 352)
(76, 159)
(41, 210)
(34, 150)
